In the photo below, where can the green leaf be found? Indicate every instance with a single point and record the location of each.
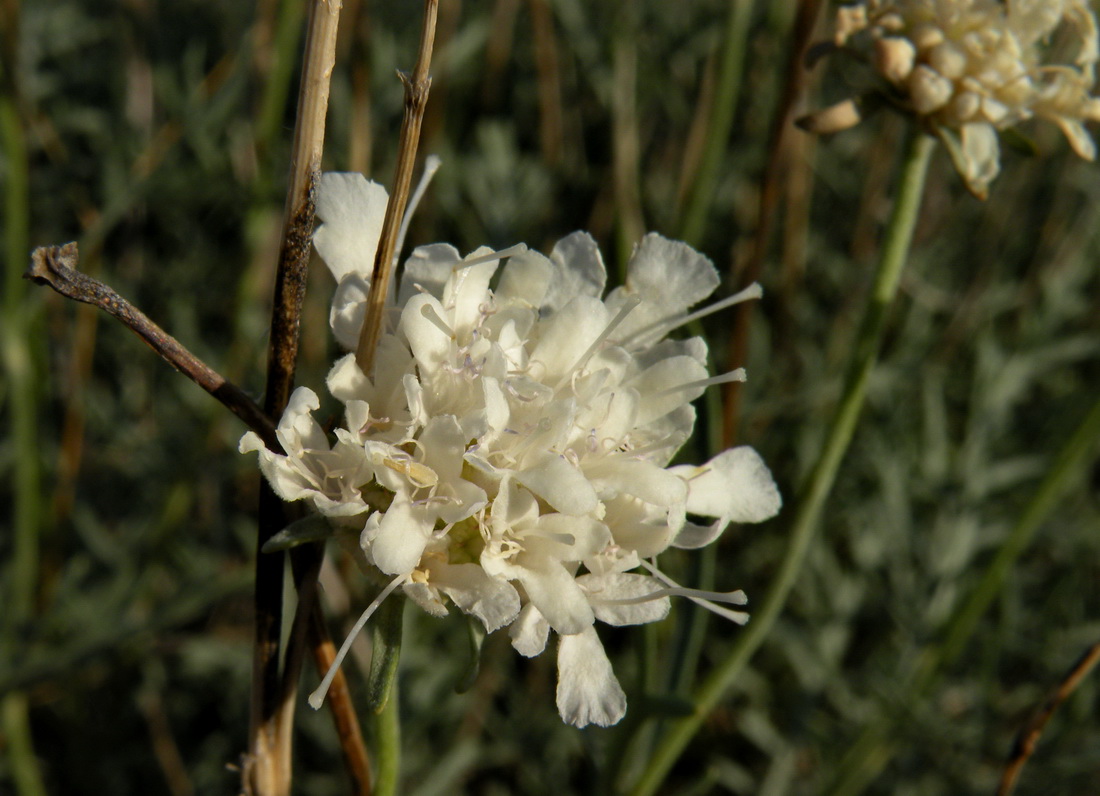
(314, 528)
(386, 646)
(476, 637)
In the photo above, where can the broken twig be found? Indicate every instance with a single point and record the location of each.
(56, 266)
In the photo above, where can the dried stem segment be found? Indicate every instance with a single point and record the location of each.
(1026, 741)
(339, 702)
(416, 99)
(56, 266)
(267, 769)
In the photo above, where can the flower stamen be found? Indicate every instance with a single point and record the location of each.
(317, 698)
(753, 291)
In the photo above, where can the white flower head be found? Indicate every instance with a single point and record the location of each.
(510, 452)
(968, 68)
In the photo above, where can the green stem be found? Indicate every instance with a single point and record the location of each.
(387, 742)
(726, 94)
(873, 749)
(895, 250)
(386, 632)
(19, 366)
(24, 765)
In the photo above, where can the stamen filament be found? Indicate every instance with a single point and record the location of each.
(317, 698)
(700, 597)
(733, 375)
(431, 166)
(753, 291)
(630, 304)
(511, 251)
(428, 311)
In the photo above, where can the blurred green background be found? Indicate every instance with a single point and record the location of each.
(157, 135)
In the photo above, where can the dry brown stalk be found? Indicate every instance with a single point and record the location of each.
(416, 98)
(56, 266)
(267, 767)
(1028, 738)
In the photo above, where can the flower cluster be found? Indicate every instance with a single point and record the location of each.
(509, 453)
(967, 68)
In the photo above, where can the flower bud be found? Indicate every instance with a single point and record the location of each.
(894, 58)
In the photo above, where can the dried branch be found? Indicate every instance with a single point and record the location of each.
(56, 266)
(339, 702)
(1028, 738)
(416, 98)
(267, 769)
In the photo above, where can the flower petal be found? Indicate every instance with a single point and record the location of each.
(427, 271)
(735, 485)
(529, 632)
(352, 209)
(605, 589)
(402, 535)
(492, 600)
(588, 692)
(552, 589)
(579, 270)
(560, 484)
(669, 277)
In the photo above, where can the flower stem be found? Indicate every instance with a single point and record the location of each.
(416, 99)
(875, 746)
(387, 753)
(382, 694)
(267, 771)
(894, 253)
(726, 94)
(18, 352)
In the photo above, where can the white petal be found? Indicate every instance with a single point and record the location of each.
(297, 430)
(735, 485)
(346, 382)
(529, 632)
(401, 538)
(669, 277)
(656, 386)
(431, 346)
(560, 484)
(564, 338)
(579, 270)
(467, 291)
(638, 478)
(982, 153)
(525, 278)
(492, 600)
(496, 408)
(692, 536)
(603, 590)
(555, 593)
(352, 209)
(588, 692)
(427, 270)
(1078, 137)
(638, 526)
(349, 307)
(426, 597)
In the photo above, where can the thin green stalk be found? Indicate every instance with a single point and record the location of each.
(387, 752)
(386, 717)
(277, 80)
(894, 254)
(875, 746)
(19, 367)
(726, 95)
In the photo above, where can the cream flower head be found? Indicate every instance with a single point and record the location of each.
(968, 68)
(510, 453)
